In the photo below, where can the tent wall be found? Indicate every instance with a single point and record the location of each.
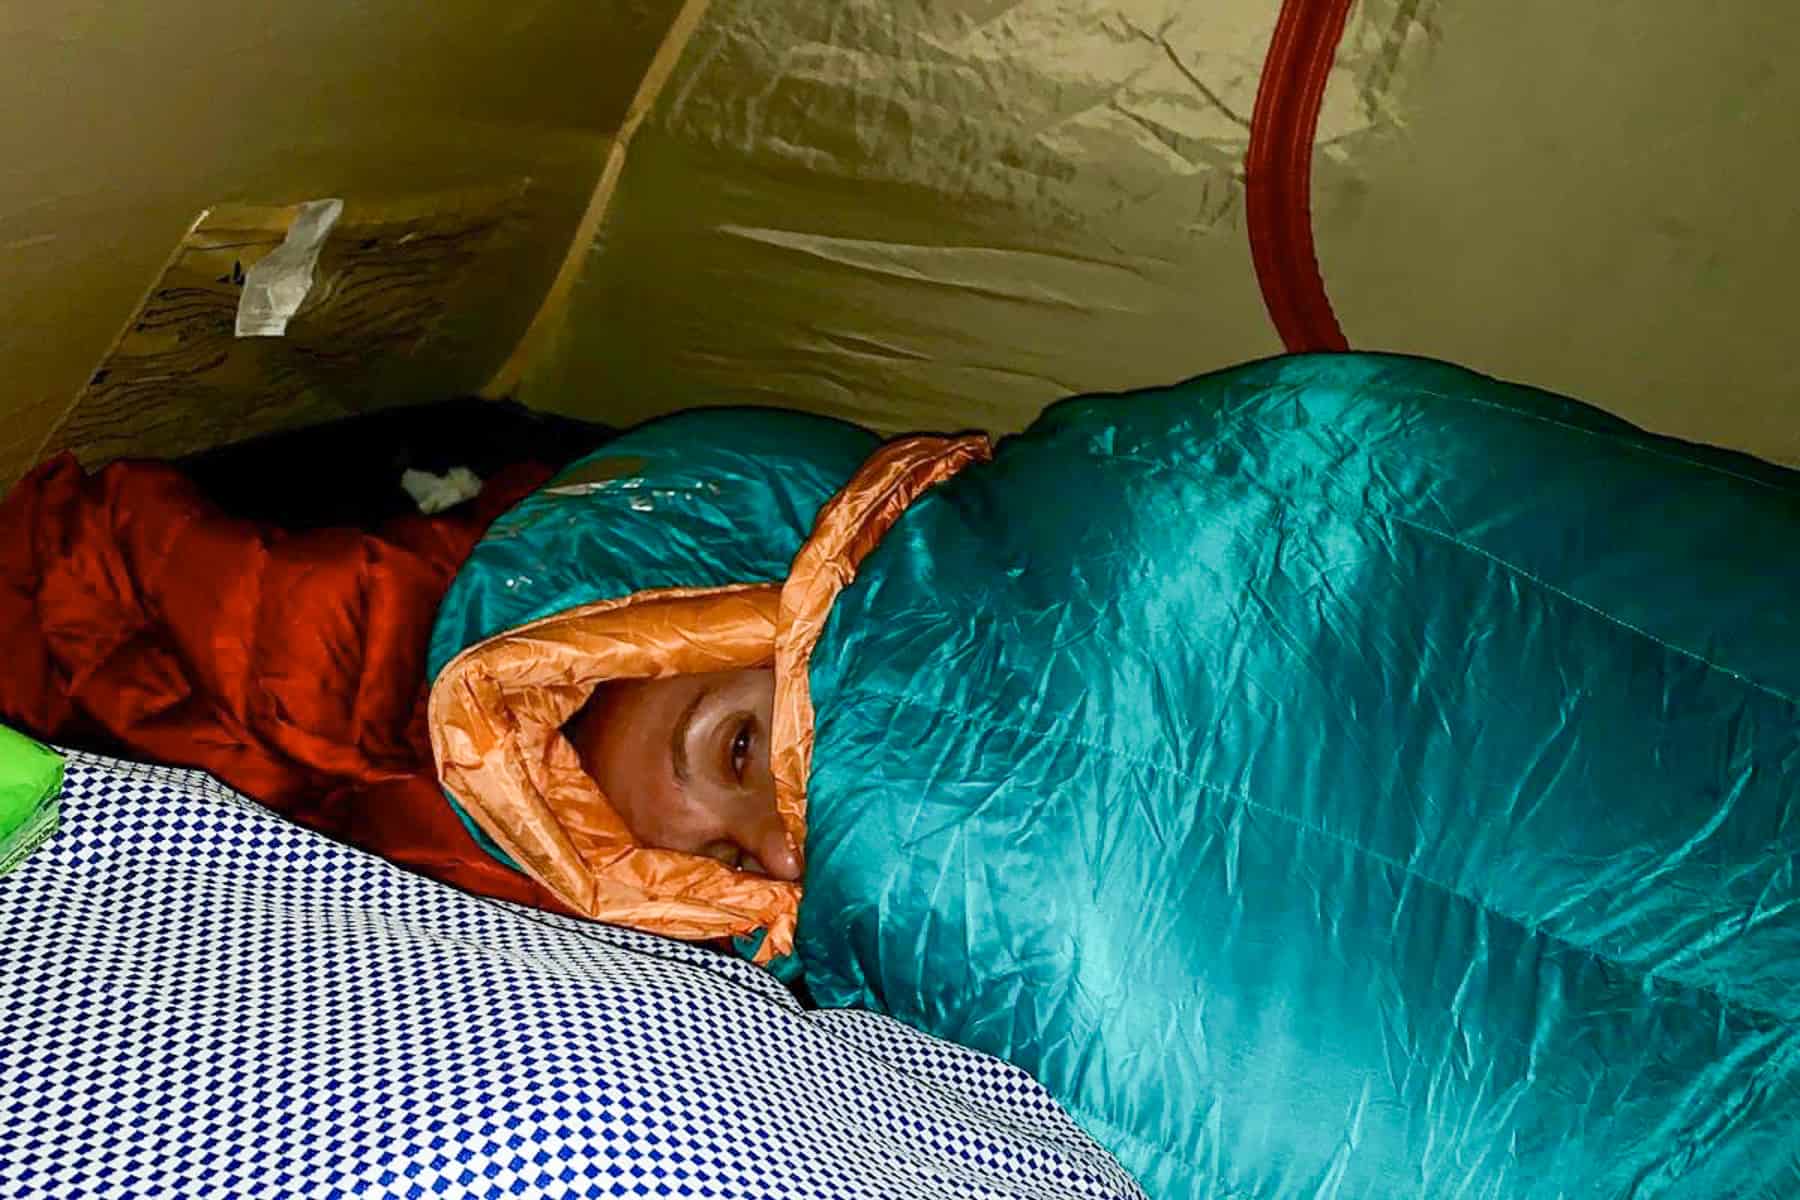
(917, 214)
(927, 215)
(121, 121)
(945, 214)
(1593, 198)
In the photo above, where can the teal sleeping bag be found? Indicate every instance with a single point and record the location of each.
(701, 499)
(1339, 777)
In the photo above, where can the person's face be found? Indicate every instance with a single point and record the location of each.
(685, 762)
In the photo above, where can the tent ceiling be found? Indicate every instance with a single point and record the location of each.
(1594, 198)
(947, 214)
(931, 214)
(120, 121)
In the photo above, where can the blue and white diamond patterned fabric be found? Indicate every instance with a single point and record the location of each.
(200, 1000)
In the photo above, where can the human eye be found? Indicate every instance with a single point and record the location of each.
(740, 748)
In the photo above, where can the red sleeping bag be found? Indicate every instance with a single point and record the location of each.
(291, 666)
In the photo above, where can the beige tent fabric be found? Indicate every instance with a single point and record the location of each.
(927, 216)
(944, 215)
(120, 122)
(1596, 199)
(920, 215)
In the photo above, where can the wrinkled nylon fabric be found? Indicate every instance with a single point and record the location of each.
(497, 716)
(135, 613)
(662, 554)
(1340, 776)
(699, 500)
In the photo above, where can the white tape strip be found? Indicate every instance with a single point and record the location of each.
(275, 287)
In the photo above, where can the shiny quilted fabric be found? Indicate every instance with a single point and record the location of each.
(1339, 777)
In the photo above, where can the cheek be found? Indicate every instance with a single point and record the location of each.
(669, 819)
(640, 807)
(761, 788)
(748, 816)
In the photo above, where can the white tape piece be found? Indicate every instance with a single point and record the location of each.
(435, 493)
(275, 288)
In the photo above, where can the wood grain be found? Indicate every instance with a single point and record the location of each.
(178, 380)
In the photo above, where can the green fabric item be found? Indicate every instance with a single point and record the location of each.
(1341, 776)
(30, 787)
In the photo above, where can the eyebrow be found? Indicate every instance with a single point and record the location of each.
(679, 735)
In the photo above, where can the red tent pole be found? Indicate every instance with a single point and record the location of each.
(1278, 173)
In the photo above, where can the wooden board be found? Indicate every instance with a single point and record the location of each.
(382, 305)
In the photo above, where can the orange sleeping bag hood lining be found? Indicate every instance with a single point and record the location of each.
(498, 710)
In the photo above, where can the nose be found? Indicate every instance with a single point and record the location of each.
(768, 843)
